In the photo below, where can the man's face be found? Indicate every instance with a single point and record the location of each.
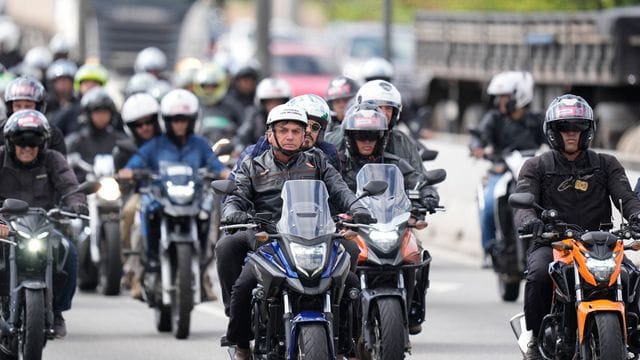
(144, 127)
(87, 85)
(340, 107)
(246, 85)
(63, 86)
(387, 111)
(18, 105)
(290, 135)
(571, 140)
(366, 142)
(101, 118)
(503, 100)
(179, 127)
(311, 134)
(26, 154)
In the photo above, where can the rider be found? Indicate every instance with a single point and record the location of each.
(33, 173)
(508, 127)
(179, 112)
(340, 91)
(366, 134)
(244, 84)
(151, 60)
(261, 179)
(60, 78)
(575, 181)
(28, 93)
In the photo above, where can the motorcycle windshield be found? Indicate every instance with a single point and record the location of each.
(394, 201)
(305, 209)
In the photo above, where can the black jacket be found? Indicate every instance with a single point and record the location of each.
(580, 190)
(506, 135)
(260, 181)
(253, 126)
(41, 185)
(90, 142)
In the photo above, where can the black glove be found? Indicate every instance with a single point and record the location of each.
(81, 209)
(634, 221)
(430, 203)
(236, 217)
(363, 217)
(534, 227)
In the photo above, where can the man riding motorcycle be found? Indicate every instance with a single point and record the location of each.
(340, 91)
(576, 182)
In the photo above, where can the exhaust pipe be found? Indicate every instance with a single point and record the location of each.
(519, 327)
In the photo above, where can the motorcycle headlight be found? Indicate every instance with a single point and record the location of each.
(601, 269)
(180, 193)
(309, 259)
(33, 244)
(383, 240)
(109, 189)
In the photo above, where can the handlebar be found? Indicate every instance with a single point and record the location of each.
(239, 226)
(54, 212)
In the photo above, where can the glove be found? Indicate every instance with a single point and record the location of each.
(81, 209)
(634, 221)
(430, 203)
(534, 226)
(363, 217)
(236, 217)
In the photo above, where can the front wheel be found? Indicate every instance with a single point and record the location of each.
(182, 295)
(312, 343)
(33, 342)
(509, 289)
(603, 338)
(110, 259)
(388, 330)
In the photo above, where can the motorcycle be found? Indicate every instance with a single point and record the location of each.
(172, 279)
(588, 318)
(99, 245)
(31, 262)
(508, 254)
(295, 307)
(391, 262)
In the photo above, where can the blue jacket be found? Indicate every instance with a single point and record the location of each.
(196, 152)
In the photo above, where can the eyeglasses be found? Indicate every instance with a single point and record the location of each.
(314, 127)
(367, 135)
(139, 124)
(572, 126)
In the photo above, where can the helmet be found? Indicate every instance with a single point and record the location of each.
(97, 98)
(61, 68)
(140, 82)
(179, 103)
(38, 57)
(27, 126)
(211, 74)
(185, 72)
(377, 68)
(138, 106)
(503, 83)
(381, 93)
(90, 72)
(287, 112)
(272, 88)
(516, 84)
(341, 87)
(59, 46)
(365, 118)
(573, 111)
(24, 88)
(523, 94)
(316, 109)
(9, 35)
(250, 69)
(159, 89)
(150, 59)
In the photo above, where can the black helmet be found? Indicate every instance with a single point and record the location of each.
(341, 87)
(573, 113)
(97, 98)
(27, 127)
(24, 88)
(365, 121)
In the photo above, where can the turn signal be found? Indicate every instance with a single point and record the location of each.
(421, 224)
(349, 235)
(262, 236)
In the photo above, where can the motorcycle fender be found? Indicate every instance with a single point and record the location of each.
(33, 284)
(369, 297)
(306, 317)
(585, 308)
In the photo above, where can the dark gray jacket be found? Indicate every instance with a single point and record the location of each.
(505, 134)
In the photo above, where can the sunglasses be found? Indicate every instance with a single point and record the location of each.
(28, 141)
(566, 126)
(139, 124)
(367, 135)
(315, 127)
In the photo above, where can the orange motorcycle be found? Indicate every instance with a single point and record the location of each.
(588, 317)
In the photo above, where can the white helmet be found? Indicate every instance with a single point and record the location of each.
(59, 45)
(502, 84)
(272, 88)
(517, 84)
(523, 94)
(9, 35)
(38, 57)
(377, 68)
(179, 102)
(138, 106)
(150, 59)
(287, 112)
(381, 93)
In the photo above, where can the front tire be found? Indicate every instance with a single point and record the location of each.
(388, 330)
(87, 270)
(110, 259)
(182, 296)
(33, 343)
(603, 338)
(312, 343)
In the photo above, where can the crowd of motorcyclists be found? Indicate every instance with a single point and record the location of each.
(58, 113)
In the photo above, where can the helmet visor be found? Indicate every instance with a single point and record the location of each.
(28, 139)
(368, 135)
(571, 126)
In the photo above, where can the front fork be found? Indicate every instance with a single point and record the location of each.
(166, 269)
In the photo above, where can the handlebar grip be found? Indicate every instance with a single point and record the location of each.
(238, 226)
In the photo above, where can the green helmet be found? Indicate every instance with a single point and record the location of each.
(90, 72)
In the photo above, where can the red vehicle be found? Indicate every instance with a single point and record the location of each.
(307, 70)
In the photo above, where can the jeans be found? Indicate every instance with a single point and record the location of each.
(63, 296)
(487, 221)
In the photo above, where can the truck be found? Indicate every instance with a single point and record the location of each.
(594, 54)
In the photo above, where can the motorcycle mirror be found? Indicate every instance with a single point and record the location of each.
(522, 200)
(223, 187)
(14, 206)
(224, 149)
(428, 155)
(87, 187)
(436, 176)
(375, 187)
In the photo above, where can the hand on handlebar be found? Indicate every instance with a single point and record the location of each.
(236, 217)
